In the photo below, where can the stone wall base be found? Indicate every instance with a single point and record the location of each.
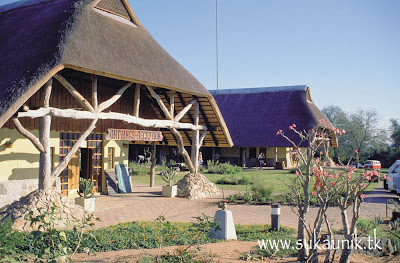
(13, 190)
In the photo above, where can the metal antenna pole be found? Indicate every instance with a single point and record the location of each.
(216, 35)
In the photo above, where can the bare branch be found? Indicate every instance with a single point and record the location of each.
(85, 115)
(74, 92)
(182, 150)
(28, 135)
(160, 102)
(64, 163)
(114, 98)
(179, 116)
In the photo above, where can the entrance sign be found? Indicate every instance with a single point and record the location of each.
(134, 135)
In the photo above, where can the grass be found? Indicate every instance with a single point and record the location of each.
(273, 178)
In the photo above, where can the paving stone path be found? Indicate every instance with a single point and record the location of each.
(146, 203)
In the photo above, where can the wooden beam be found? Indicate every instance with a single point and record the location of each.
(182, 150)
(35, 141)
(153, 164)
(85, 115)
(207, 123)
(95, 102)
(114, 98)
(64, 163)
(186, 108)
(160, 102)
(137, 100)
(74, 92)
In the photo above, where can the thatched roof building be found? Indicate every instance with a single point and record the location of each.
(71, 71)
(39, 38)
(254, 115)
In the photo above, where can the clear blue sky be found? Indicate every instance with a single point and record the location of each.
(347, 51)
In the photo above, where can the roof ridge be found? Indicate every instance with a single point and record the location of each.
(260, 90)
(20, 4)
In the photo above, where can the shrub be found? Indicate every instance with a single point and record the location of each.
(234, 180)
(139, 168)
(222, 168)
(261, 192)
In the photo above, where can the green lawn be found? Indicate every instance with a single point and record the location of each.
(272, 178)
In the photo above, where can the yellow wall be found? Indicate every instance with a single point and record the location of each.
(121, 153)
(22, 160)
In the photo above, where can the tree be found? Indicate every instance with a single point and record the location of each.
(362, 132)
(395, 130)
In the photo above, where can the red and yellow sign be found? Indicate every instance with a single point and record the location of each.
(134, 135)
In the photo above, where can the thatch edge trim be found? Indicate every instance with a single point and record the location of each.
(221, 120)
(29, 93)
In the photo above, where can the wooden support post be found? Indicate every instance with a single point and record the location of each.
(275, 157)
(172, 104)
(95, 102)
(137, 101)
(195, 141)
(153, 164)
(44, 138)
(182, 150)
(244, 157)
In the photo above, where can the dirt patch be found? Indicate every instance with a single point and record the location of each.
(232, 252)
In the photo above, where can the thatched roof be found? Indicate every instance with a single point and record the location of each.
(41, 37)
(254, 115)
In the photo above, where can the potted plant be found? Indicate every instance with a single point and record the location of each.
(86, 199)
(168, 175)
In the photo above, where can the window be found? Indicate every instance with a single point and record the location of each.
(52, 154)
(111, 157)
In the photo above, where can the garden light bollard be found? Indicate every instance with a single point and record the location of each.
(275, 216)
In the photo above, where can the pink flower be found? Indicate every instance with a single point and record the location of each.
(356, 151)
(291, 127)
(294, 125)
(314, 193)
(325, 163)
(279, 132)
(331, 183)
(362, 185)
(362, 196)
(343, 131)
(321, 153)
(297, 173)
(334, 176)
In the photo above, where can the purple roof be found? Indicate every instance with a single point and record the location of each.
(254, 115)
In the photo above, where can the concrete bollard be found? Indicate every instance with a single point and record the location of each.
(227, 227)
(275, 216)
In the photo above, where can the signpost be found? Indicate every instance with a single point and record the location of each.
(134, 135)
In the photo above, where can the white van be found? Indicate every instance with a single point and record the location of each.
(393, 184)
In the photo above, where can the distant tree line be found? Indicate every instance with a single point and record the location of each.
(364, 135)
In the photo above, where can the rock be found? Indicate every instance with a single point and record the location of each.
(196, 186)
(41, 201)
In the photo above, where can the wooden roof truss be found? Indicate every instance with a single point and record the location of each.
(171, 118)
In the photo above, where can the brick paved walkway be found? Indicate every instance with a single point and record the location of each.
(146, 204)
